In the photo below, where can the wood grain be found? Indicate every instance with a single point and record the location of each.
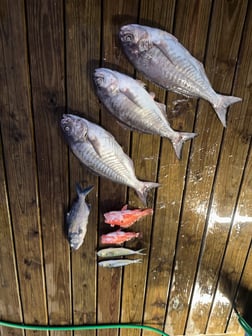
(46, 48)
(113, 196)
(226, 185)
(82, 56)
(20, 164)
(10, 305)
(198, 241)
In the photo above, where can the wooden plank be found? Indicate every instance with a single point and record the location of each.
(20, 164)
(172, 172)
(46, 50)
(113, 196)
(145, 155)
(156, 274)
(220, 65)
(227, 183)
(10, 305)
(82, 55)
(244, 297)
(241, 229)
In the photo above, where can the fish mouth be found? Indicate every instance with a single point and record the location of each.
(98, 77)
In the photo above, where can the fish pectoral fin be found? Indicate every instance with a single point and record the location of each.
(130, 95)
(94, 141)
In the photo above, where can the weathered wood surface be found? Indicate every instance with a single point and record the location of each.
(45, 28)
(198, 241)
(20, 165)
(83, 37)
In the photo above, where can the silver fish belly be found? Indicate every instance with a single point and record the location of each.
(132, 105)
(118, 262)
(163, 60)
(118, 252)
(98, 150)
(77, 218)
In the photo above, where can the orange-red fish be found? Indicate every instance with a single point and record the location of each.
(118, 237)
(125, 218)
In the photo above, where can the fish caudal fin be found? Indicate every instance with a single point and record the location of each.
(84, 191)
(143, 192)
(224, 103)
(179, 141)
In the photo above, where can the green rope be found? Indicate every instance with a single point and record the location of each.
(80, 327)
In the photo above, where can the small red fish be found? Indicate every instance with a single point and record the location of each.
(118, 237)
(125, 218)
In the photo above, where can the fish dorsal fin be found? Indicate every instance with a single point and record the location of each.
(125, 207)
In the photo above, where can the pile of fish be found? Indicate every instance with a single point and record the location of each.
(163, 60)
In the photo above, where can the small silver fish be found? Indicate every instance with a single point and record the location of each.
(127, 100)
(166, 62)
(118, 252)
(77, 218)
(98, 150)
(118, 262)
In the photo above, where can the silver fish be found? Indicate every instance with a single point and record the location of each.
(77, 218)
(118, 252)
(127, 99)
(98, 150)
(163, 60)
(118, 262)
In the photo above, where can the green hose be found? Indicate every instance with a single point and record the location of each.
(80, 327)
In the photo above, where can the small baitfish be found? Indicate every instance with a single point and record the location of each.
(98, 150)
(118, 262)
(77, 218)
(118, 252)
(128, 101)
(166, 62)
(125, 218)
(118, 237)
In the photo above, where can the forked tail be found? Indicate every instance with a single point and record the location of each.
(224, 103)
(179, 141)
(143, 191)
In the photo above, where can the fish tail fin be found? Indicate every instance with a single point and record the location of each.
(83, 192)
(143, 191)
(141, 251)
(147, 211)
(224, 103)
(179, 141)
(137, 261)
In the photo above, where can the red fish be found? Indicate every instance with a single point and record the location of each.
(118, 237)
(125, 218)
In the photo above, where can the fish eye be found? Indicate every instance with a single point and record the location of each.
(128, 37)
(99, 80)
(67, 129)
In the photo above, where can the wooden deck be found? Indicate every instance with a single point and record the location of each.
(198, 242)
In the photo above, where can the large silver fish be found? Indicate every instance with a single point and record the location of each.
(98, 150)
(77, 218)
(163, 60)
(127, 99)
